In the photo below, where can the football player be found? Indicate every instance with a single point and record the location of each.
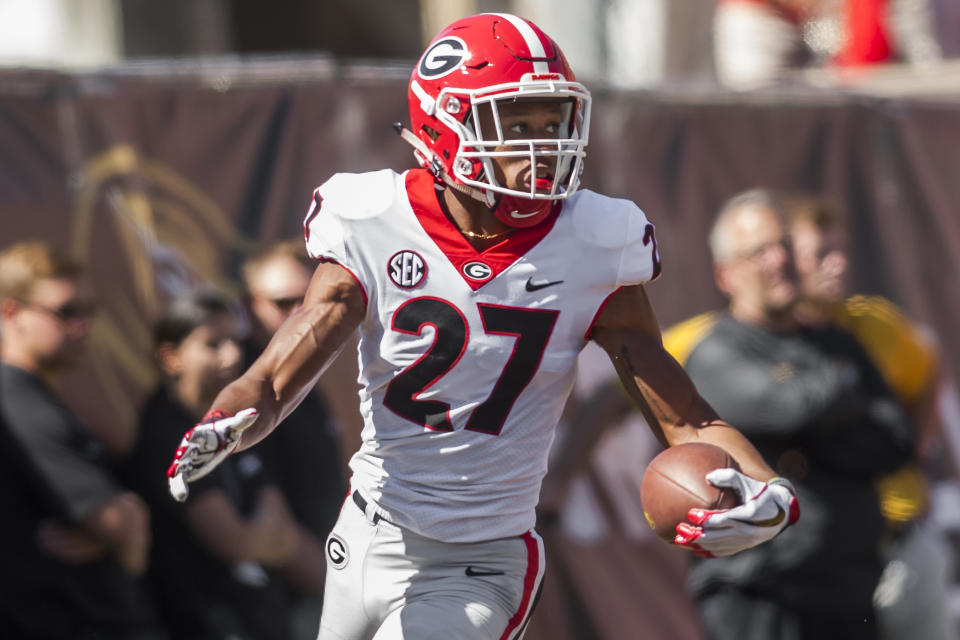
(475, 281)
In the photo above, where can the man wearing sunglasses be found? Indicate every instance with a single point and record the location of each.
(83, 544)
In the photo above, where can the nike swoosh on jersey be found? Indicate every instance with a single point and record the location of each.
(473, 573)
(770, 522)
(536, 286)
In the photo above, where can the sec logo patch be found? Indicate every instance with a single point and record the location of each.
(406, 269)
(337, 554)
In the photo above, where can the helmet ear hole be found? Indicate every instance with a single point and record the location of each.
(465, 167)
(453, 105)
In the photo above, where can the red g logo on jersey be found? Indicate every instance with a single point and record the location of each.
(407, 269)
(477, 271)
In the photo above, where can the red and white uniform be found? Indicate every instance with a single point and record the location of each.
(466, 358)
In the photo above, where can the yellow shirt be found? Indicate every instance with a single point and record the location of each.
(905, 356)
(681, 339)
(907, 359)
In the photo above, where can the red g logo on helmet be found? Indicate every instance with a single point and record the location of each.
(443, 57)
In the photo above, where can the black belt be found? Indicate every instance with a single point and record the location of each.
(360, 502)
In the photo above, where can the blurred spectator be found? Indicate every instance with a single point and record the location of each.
(73, 540)
(878, 31)
(817, 408)
(903, 351)
(302, 455)
(210, 562)
(911, 599)
(757, 41)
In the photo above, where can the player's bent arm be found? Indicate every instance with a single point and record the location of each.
(305, 566)
(123, 525)
(69, 544)
(234, 538)
(299, 352)
(628, 331)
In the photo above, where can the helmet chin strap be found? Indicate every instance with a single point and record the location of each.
(465, 189)
(436, 168)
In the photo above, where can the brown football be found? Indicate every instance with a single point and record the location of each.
(675, 482)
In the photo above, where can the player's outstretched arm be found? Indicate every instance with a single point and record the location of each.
(627, 329)
(298, 353)
(251, 406)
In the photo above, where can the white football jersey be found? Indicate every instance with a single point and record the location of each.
(466, 357)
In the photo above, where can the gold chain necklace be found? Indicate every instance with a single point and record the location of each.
(484, 236)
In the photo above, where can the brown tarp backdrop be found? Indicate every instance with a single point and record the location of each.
(161, 175)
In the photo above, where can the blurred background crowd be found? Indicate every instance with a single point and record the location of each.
(156, 162)
(620, 43)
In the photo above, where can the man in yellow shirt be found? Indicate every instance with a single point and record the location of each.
(903, 352)
(906, 356)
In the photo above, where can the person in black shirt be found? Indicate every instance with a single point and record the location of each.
(815, 407)
(912, 599)
(211, 557)
(74, 542)
(303, 456)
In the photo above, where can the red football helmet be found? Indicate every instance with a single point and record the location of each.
(488, 59)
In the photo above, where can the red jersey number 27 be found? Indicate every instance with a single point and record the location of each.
(530, 329)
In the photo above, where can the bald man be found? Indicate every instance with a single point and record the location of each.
(816, 408)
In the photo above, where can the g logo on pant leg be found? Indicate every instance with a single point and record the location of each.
(337, 554)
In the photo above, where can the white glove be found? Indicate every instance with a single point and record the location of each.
(767, 509)
(204, 447)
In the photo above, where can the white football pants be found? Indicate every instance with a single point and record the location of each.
(388, 583)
